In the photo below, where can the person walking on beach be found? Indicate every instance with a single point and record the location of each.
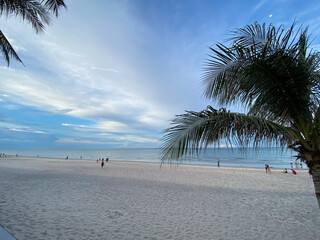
(267, 167)
(218, 163)
(102, 163)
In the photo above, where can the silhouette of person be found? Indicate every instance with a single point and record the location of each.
(102, 163)
(267, 167)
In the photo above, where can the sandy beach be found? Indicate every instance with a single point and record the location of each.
(76, 199)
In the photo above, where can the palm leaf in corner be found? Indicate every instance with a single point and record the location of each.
(7, 50)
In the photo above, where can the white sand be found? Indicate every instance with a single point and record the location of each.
(69, 199)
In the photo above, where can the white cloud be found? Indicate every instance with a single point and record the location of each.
(73, 125)
(81, 99)
(19, 128)
(138, 139)
(104, 69)
(101, 127)
(90, 142)
(16, 140)
(260, 4)
(113, 126)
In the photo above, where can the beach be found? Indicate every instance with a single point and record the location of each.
(48, 198)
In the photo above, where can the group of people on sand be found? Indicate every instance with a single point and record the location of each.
(267, 167)
(286, 171)
(296, 164)
(102, 161)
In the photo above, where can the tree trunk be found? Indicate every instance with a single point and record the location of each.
(315, 171)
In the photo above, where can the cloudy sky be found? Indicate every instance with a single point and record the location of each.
(112, 73)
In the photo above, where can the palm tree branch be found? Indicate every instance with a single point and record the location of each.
(54, 5)
(32, 11)
(7, 50)
(261, 76)
(193, 131)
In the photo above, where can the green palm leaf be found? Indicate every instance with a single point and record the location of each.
(32, 11)
(37, 13)
(194, 130)
(54, 5)
(7, 50)
(268, 71)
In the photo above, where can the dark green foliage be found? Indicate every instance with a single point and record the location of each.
(37, 13)
(274, 75)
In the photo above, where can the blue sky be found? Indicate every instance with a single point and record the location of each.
(112, 73)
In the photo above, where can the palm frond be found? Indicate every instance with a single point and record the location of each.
(193, 131)
(268, 70)
(32, 11)
(7, 50)
(37, 13)
(54, 5)
(261, 36)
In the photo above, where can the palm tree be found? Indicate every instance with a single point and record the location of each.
(37, 13)
(275, 75)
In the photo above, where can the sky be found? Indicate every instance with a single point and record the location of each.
(113, 73)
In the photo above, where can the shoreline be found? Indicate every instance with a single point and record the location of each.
(183, 163)
(274, 157)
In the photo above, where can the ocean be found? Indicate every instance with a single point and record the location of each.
(275, 157)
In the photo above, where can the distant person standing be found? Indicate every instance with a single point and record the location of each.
(218, 163)
(291, 164)
(267, 167)
(300, 164)
(102, 163)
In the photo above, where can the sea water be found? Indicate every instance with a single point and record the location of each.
(275, 157)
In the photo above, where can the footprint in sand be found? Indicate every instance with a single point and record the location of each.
(114, 214)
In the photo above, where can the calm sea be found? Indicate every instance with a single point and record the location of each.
(275, 157)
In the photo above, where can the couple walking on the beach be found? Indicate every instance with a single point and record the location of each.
(267, 167)
(102, 162)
